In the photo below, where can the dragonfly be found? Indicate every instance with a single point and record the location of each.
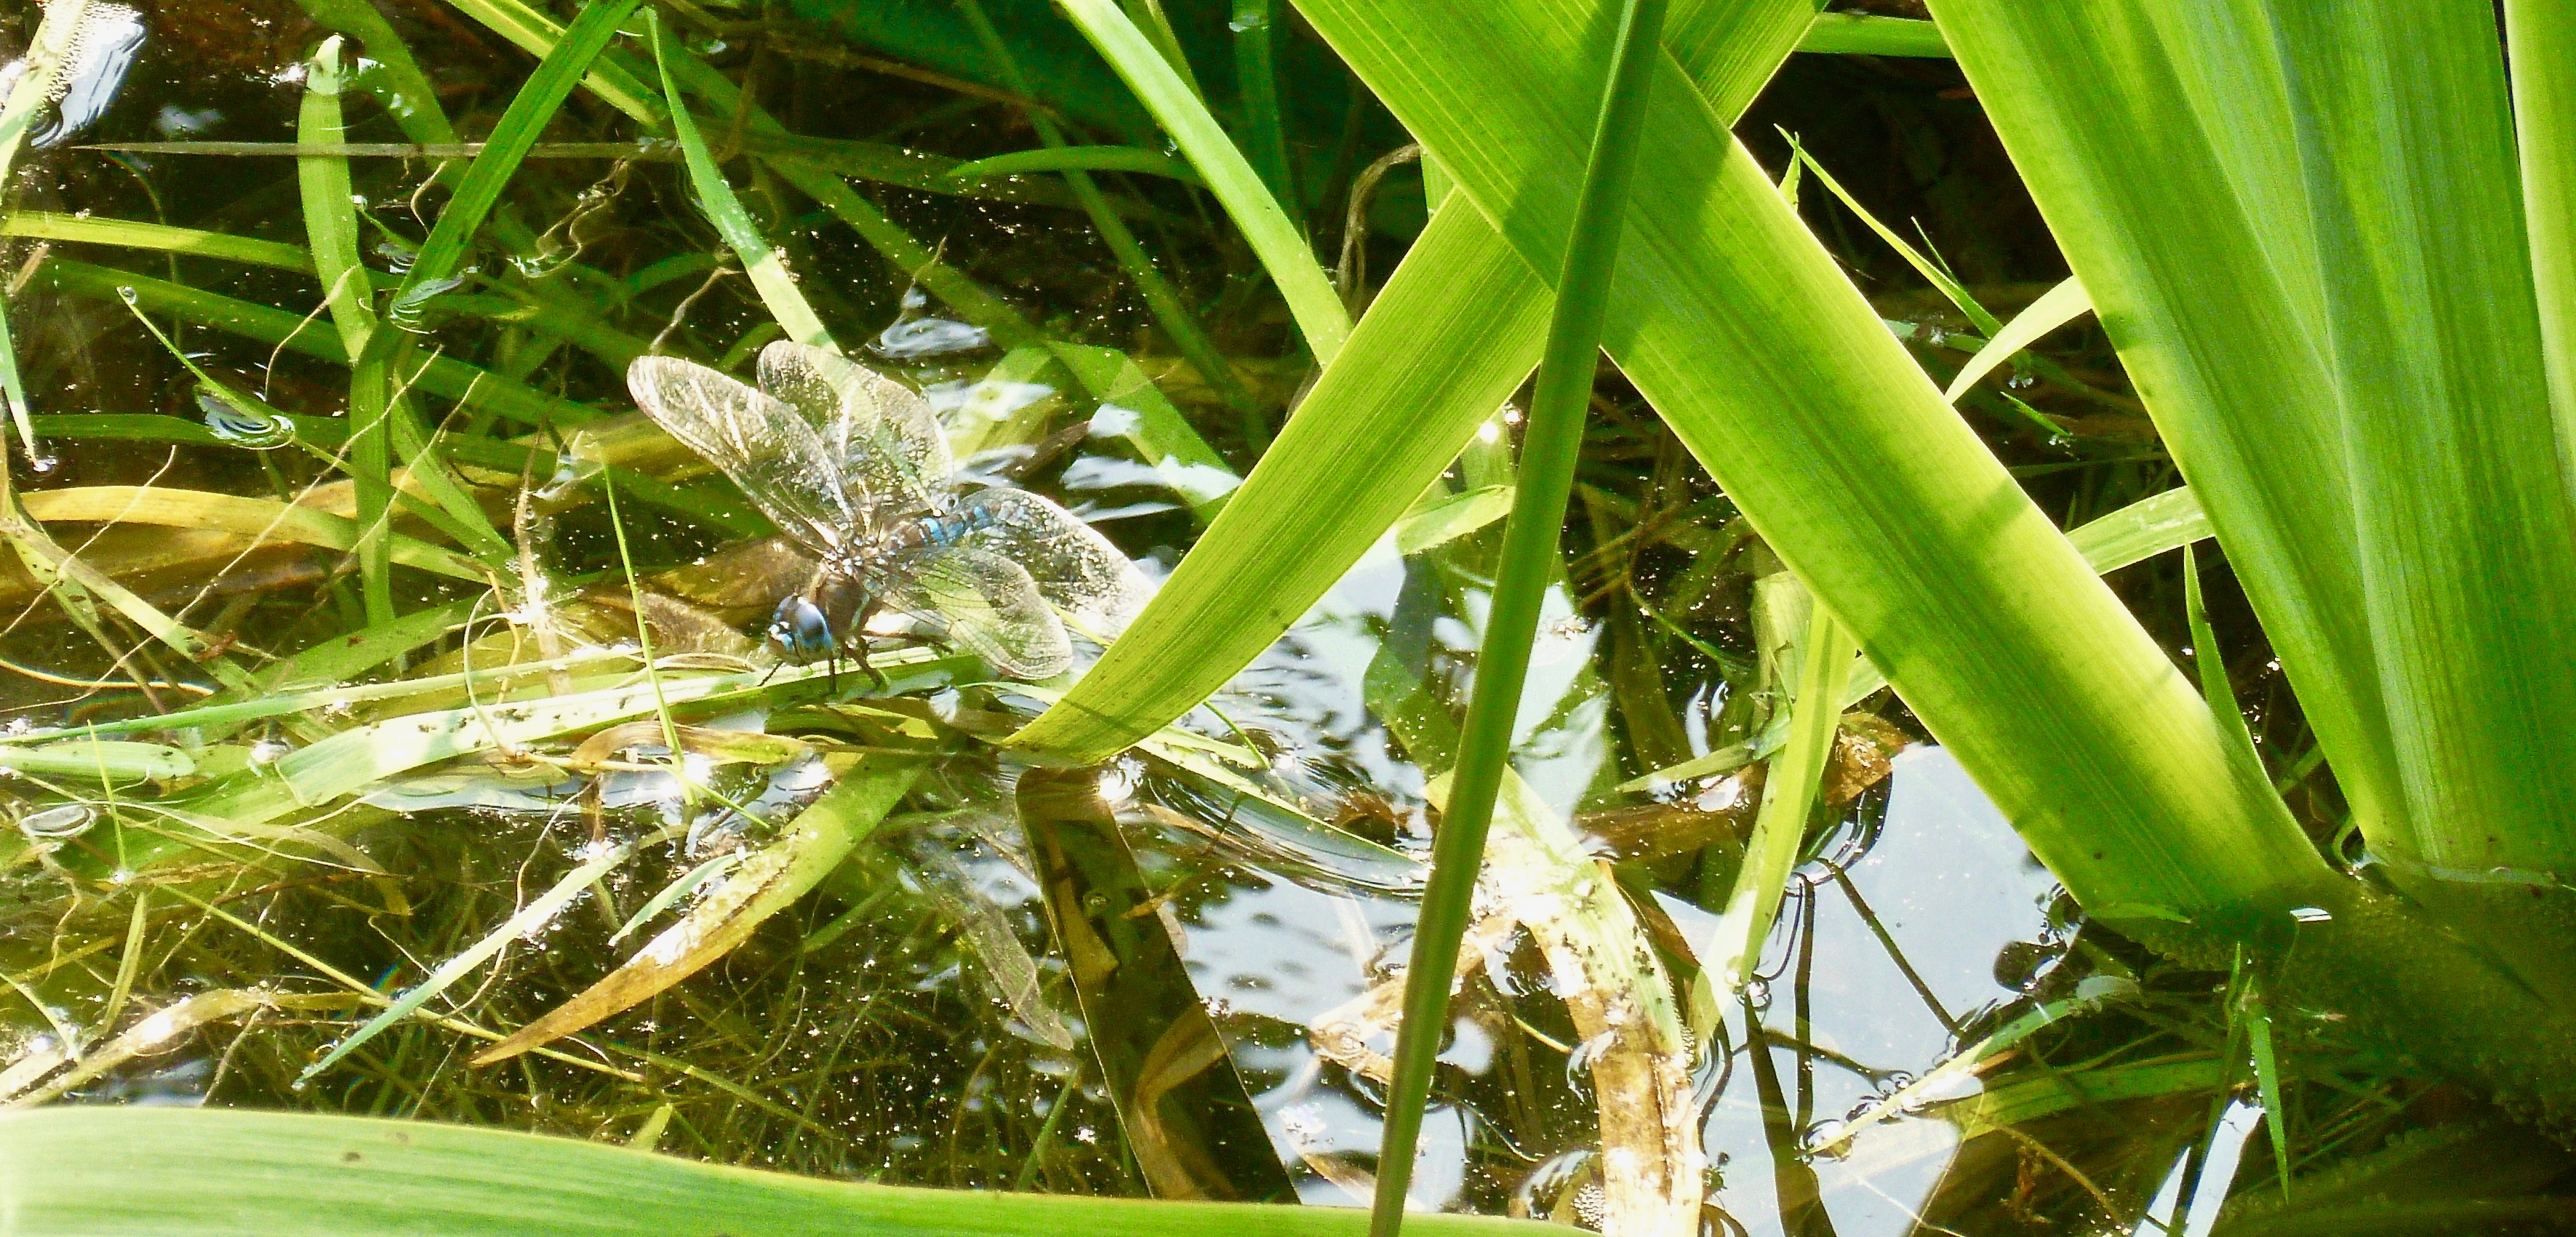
(853, 466)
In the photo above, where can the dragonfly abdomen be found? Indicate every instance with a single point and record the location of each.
(933, 531)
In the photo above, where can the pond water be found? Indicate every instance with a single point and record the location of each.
(1168, 975)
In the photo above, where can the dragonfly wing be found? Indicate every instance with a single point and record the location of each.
(985, 604)
(888, 443)
(1074, 566)
(777, 459)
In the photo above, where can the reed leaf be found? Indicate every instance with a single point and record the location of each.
(2310, 231)
(1551, 448)
(112, 1172)
(1867, 34)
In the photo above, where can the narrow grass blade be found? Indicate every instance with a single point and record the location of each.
(53, 43)
(1788, 799)
(2541, 35)
(529, 919)
(764, 885)
(1551, 448)
(1959, 1071)
(671, 894)
(760, 259)
(612, 79)
(1282, 249)
(396, 80)
(443, 253)
(2055, 308)
(2267, 1080)
(807, 166)
(331, 226)
(1932, 271)
(1079, 159)
(470, 386)
(2213, 664)
(58, 567)
(136, 234)
(128, 1171)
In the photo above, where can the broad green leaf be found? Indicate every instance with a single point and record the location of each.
(1840, 451)
(2542, 36)
(2302, 227)
(2469, 571)
(1453, 332)
(130, 1171)
(1865, 34)
(1282, 248)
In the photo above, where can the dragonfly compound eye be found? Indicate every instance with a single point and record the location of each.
(799, 633)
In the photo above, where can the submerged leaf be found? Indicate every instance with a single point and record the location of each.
(762, 886)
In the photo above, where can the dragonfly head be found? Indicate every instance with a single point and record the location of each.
(799, 633)
(812, 626)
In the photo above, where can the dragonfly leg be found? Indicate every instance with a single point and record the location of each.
(876, 677)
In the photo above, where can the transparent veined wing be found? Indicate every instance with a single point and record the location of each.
(892, 453)
(1074, 566)
(985, 604)
(777, 459)
(1007, 965)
